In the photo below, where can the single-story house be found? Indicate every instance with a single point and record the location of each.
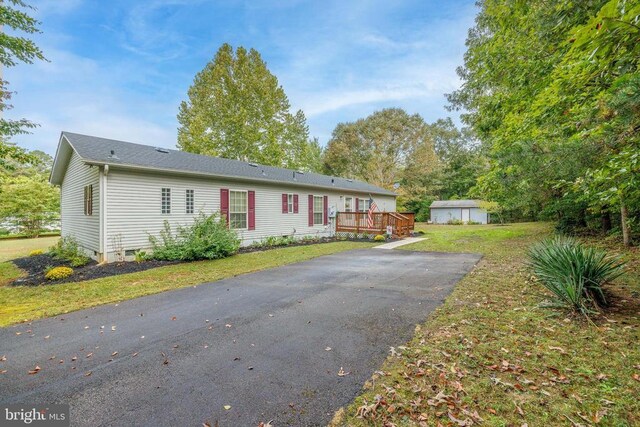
(443, 211)
(115, 194)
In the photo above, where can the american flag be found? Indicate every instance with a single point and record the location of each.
(372, 207)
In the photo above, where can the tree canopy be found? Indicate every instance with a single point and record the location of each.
(15, 49)
(550, 90)
(236, 109)
(27, 199)
(380, 148)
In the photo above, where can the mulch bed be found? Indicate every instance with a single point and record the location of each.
(35, 266)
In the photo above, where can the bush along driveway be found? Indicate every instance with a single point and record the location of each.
(492, 355)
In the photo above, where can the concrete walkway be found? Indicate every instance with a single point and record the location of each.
(398, 243)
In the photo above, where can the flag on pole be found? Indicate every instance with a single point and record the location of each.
(372, 207)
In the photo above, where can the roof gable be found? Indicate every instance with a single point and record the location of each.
(95, 150)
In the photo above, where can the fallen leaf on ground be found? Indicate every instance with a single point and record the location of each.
(4, 371)
(74, 358)
(174, 318)
(134, 354)
(47, 337)
(115, 353)
(89, 355)
(327, 349)
(3, 358)
(87, 374)
(267, 424)
(560, 349)
(227, 325)
(227, 407)
(35, 370)
(342, 373)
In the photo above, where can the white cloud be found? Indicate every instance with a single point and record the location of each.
(78, 94)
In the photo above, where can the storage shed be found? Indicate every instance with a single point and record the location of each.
(445, 211)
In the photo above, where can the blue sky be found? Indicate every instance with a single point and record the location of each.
(119, 69)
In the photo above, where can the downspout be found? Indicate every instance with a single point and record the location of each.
(103, 214)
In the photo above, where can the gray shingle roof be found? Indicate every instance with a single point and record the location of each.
(456, 204)
(98, 150)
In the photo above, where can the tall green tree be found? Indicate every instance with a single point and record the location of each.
(236, 109)
(547, 88)
(15, 49)
(30, 201)
(461, 160)
(381, 149)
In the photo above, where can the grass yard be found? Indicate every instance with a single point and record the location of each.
(492, 356)
(22, 303)
(16, 248)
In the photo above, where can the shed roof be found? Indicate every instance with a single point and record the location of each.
(456, 204)
(95, 150)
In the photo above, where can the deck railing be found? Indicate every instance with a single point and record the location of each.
(357, 223)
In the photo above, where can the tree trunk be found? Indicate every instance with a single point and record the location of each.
(626, 239)
(605, 220)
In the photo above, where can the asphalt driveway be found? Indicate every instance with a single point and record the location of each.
(268, 345)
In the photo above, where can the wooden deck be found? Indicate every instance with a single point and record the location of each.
(356, 223)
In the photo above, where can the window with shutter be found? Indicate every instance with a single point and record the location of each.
(318, 210)
(238, 209)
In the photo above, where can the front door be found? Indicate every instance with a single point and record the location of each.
(465, 215)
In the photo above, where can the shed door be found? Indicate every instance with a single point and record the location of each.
(465, 215)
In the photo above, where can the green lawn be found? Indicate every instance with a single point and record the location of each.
(16, 248)
(491, 352)
(22, 303)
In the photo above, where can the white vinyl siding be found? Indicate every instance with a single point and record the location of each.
(238, 209)
(318, 210)
(444, 215)
(75, 222)
(134, 213)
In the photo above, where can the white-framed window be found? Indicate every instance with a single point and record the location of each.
(166, 200)
(290, 203)
(348, 204)
(88, 200)
(189, 201)
(238, 209)
(363, 205)
(318, 210)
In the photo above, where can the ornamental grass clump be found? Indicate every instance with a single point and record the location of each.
(574, 273)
